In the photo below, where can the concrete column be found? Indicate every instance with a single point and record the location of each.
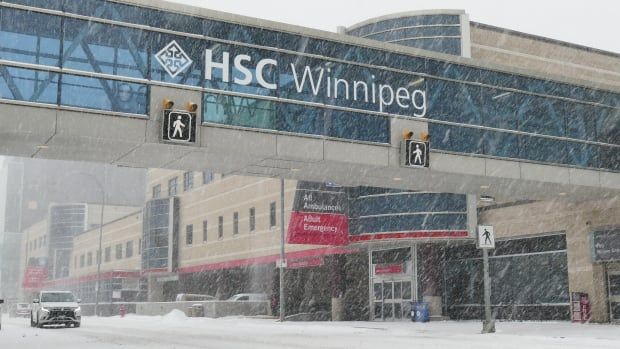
(583, 274)
(337, 309)
(155, 290)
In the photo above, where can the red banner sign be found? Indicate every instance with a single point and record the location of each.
(318, 229)
(382, 269)
(306, 263)
(34, 277)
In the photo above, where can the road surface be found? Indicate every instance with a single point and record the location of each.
(179, 332)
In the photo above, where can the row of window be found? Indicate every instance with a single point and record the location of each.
(85, 49)
(188, 183)
(439, 33)
(36, 243)
(86, 259)
(120, 50)
(189, 229)
(509, 145)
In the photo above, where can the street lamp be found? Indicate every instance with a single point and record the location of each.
(100, 252)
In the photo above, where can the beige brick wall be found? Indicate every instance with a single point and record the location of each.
(578, 220)
(223, 197)
(36, 232)
(544, 57)
(117, 232)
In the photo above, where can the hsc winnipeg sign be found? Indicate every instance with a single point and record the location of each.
(324, 81)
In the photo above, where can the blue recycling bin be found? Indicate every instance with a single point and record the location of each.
(419, 312)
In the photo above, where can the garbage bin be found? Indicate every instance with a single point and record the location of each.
(419, 312)
(198, 310)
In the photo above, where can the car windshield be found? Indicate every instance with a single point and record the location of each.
(57, 297)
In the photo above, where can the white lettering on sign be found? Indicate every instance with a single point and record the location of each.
(320, 228)
(239, 63)
(319, 81)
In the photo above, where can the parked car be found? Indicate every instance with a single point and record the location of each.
(55, 307)
(249, 297)
(188, 297)
(21, 310)
(1, 301)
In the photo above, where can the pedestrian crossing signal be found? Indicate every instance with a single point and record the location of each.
(416, 153)
(179, 126)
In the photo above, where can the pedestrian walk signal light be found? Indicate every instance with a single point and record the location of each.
(191, 107)
(167, 104)
(415, 153)
(407, 134)
(425, 136)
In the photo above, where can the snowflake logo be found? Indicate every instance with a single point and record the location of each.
(173, 59)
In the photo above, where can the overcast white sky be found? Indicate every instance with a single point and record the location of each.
(593, 23)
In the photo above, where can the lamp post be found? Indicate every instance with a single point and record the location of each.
(100, 252)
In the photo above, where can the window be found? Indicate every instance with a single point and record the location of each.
(35, 244)
(139, 246)
(172, 187)
(235, 223)
(103, 94)
(157, 191)
(44, 240)
(98, 256)
(119, 251)
(108, 253)
(204, 231)
(40, 242)
(74, 262)
(220, 227)
(189, 234)
(188, 180)
(272, 214)
(129, 249)
(252, 219)
(207, 177)
(82, 259)
(89, 259)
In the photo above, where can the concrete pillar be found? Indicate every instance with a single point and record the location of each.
(583, 274)
(155, 290)
(337, 309)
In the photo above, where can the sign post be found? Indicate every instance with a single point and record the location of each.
(486, 241)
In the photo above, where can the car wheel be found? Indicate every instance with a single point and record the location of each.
(76, 325)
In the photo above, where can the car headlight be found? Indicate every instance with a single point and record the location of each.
(78, 311)
(45, 310)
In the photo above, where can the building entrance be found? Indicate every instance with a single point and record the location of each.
(613, 282)
(392, 299)
(393, 282)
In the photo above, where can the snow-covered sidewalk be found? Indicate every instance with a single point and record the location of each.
(177, 331)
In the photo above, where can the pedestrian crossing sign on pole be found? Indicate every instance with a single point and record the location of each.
(486, 237)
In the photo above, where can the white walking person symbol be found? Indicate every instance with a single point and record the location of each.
(418, 155)
(178, 127)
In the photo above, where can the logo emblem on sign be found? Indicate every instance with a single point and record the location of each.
(173, 59)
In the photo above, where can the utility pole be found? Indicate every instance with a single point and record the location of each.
(488, 325)
(486, 241)
(282, 252)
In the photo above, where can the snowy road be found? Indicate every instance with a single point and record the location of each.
(176, 331)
